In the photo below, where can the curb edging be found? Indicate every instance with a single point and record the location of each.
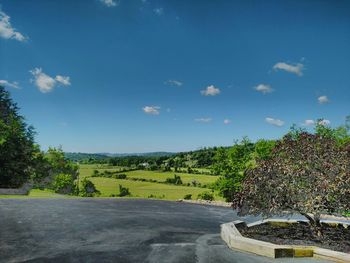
(233, 238)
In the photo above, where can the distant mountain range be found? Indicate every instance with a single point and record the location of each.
(152, 154)
(77, 156)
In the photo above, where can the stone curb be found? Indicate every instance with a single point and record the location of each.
(233, 238)
(205, 202)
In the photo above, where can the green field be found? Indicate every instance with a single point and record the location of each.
(138, 189)
(36, 193)
(86, 170)
(162, 176)
(109, 186)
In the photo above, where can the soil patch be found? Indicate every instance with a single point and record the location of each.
(334, 237)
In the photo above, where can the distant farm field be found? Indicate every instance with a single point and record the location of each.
(162, 176)
(138, 188)
(109, 186)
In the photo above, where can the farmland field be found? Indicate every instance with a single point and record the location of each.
(161, 176)
(86, 170)
(138, 189)
(109, 186)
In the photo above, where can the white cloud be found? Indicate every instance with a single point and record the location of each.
(6, 29)
(110, 3)
(6, 83)
(205, 120)
(309, 123)
(173, 82)
(158, 11)
(210, 91)
(324, 122)
(263, 88)
(323, 99)
(152, 110)
(295, 69)
(63, 80)
(45, 83)
(275, 122)
(227, 121)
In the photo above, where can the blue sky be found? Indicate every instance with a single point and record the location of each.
(140, 76)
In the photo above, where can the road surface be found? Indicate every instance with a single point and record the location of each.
(116, 230)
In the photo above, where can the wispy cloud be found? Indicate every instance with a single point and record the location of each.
(45, 83)
(6, 29)
(204, 120)
(152, 110)
(63, 80)
(324, 122)
(263, 88)
(210, 91)
(275, 122)
(227, 121)
(6, 83)
(295, 69)
(173, 82)
(158, 11)
(323, 99)
(110, 3)
(309, 123)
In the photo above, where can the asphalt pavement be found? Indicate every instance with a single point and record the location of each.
(117, 230)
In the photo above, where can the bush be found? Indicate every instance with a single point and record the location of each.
(120, 176)
(306, 174)
(206, 196)
(88, 189)
(176, 180)
(64, 184)
(188, 197)
(123, 191)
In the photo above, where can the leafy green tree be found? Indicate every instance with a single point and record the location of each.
(341, 134)
(64, 184)
(230, 164)
(206, 196)
(176, 180)
(49, 164)
(308, 174)
(123, 191)
(88, 189)
(16, 144)
(263, 149)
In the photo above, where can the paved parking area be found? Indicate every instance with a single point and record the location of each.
(116, 230)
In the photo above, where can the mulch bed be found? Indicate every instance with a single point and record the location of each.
(335, 238)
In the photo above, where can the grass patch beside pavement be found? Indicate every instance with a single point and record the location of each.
(37, 193)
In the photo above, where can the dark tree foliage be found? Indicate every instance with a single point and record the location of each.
(176, 180)
(123, 191)
(307, 173)
(49, 164)
(16, 144)
(88, 189)
(64, 184)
